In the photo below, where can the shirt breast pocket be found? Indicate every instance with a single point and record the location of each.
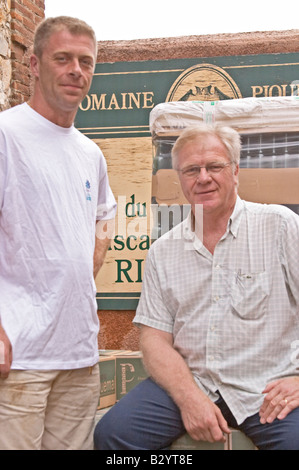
(249, 295)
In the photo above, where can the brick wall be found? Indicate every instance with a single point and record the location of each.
(18, 20)
(210, 45)
(25, 16)
(5, 48)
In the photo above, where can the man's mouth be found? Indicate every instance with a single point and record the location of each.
(208, 191)
(72, 86)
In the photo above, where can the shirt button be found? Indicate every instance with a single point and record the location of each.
(216, 298)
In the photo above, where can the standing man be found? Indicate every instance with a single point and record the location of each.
(218, 315)
(53, 190)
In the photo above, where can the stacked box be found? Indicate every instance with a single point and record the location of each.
(107, 381)
(269, 130)
(113, 352)
(186, 442)
(246, 115)
(238, 441)
(129, 372)
(120, 372)
(234, 441)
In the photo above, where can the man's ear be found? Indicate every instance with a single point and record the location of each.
(236, 175)
(34, 65)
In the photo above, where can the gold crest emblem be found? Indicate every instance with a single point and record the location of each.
(204, 82)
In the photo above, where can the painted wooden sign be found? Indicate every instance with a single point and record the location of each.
(115, 114)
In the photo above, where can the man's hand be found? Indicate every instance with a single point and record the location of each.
(204, 421)
(5, 354)
(104, 235)
(282, 396)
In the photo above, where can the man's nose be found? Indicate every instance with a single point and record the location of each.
(75, 68)
(203, 176)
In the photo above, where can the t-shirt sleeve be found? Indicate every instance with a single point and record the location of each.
(2, 169)
(106, 208)
(2, 179)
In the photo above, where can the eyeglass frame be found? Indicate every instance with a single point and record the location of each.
(220, 166)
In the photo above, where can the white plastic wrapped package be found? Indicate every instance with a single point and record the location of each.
(269, 130)
(246, 115)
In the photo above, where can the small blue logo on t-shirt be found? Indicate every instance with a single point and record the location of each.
(87, 189)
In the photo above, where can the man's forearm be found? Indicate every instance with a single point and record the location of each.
(104, 234)
(166, 366)
(100, 251)
(202, 419)
(5, 354)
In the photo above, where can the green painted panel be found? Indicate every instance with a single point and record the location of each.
(123, 93)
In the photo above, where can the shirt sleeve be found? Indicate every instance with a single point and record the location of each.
(106, 208)
(151, 310)
(289, 250)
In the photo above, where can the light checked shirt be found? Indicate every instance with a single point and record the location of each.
(233, 314)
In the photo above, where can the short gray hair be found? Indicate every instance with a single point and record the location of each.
(227, 136)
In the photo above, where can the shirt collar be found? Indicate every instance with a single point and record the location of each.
(235, 218)
(233, 223)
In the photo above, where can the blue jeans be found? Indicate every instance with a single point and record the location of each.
(148, 419)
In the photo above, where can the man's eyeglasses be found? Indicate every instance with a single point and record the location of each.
(211, 169)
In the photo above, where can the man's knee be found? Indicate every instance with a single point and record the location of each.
(279, 435)
(104, 433)
(111, 432)
(145, 418)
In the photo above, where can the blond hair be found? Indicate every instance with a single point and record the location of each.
(227, 136)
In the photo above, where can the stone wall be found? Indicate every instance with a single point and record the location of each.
(5, 50)
(18, 20)
(272, 42)
(25, 16)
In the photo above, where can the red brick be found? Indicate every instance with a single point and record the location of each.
(21, 71)
(33, 7)
(29, 24)
(21, 87)
(23, 31)
(17, 52)
(16, 16)
(24, 12)
(18, 38)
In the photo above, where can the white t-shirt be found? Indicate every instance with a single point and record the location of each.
(53, 188)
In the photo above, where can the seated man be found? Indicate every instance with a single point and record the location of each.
(218, 315)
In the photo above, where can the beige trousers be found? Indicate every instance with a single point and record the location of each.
(50, 410)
